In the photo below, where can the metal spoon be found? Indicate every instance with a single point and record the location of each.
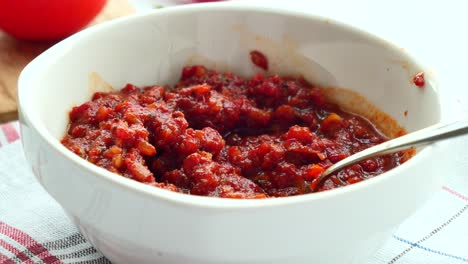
(418, 138)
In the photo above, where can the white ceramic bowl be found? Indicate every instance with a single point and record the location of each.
(134, 223)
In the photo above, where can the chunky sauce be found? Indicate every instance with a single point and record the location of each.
(217, 134)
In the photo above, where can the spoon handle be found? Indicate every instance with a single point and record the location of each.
(421, 137)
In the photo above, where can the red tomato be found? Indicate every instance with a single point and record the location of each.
(46, 19)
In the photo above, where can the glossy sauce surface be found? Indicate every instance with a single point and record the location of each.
(217, 134)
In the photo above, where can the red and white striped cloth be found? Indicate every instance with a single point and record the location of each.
(34, 229)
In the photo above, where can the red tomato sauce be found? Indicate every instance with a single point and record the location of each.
(217, 134)
(259, 59)
(419, 80)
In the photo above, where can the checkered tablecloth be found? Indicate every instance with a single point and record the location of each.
(34, 228)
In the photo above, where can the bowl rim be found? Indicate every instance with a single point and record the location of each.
(30, 118)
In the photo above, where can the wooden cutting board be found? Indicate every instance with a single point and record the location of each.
(15, 54)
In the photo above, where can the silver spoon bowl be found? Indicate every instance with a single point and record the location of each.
(418, 138)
